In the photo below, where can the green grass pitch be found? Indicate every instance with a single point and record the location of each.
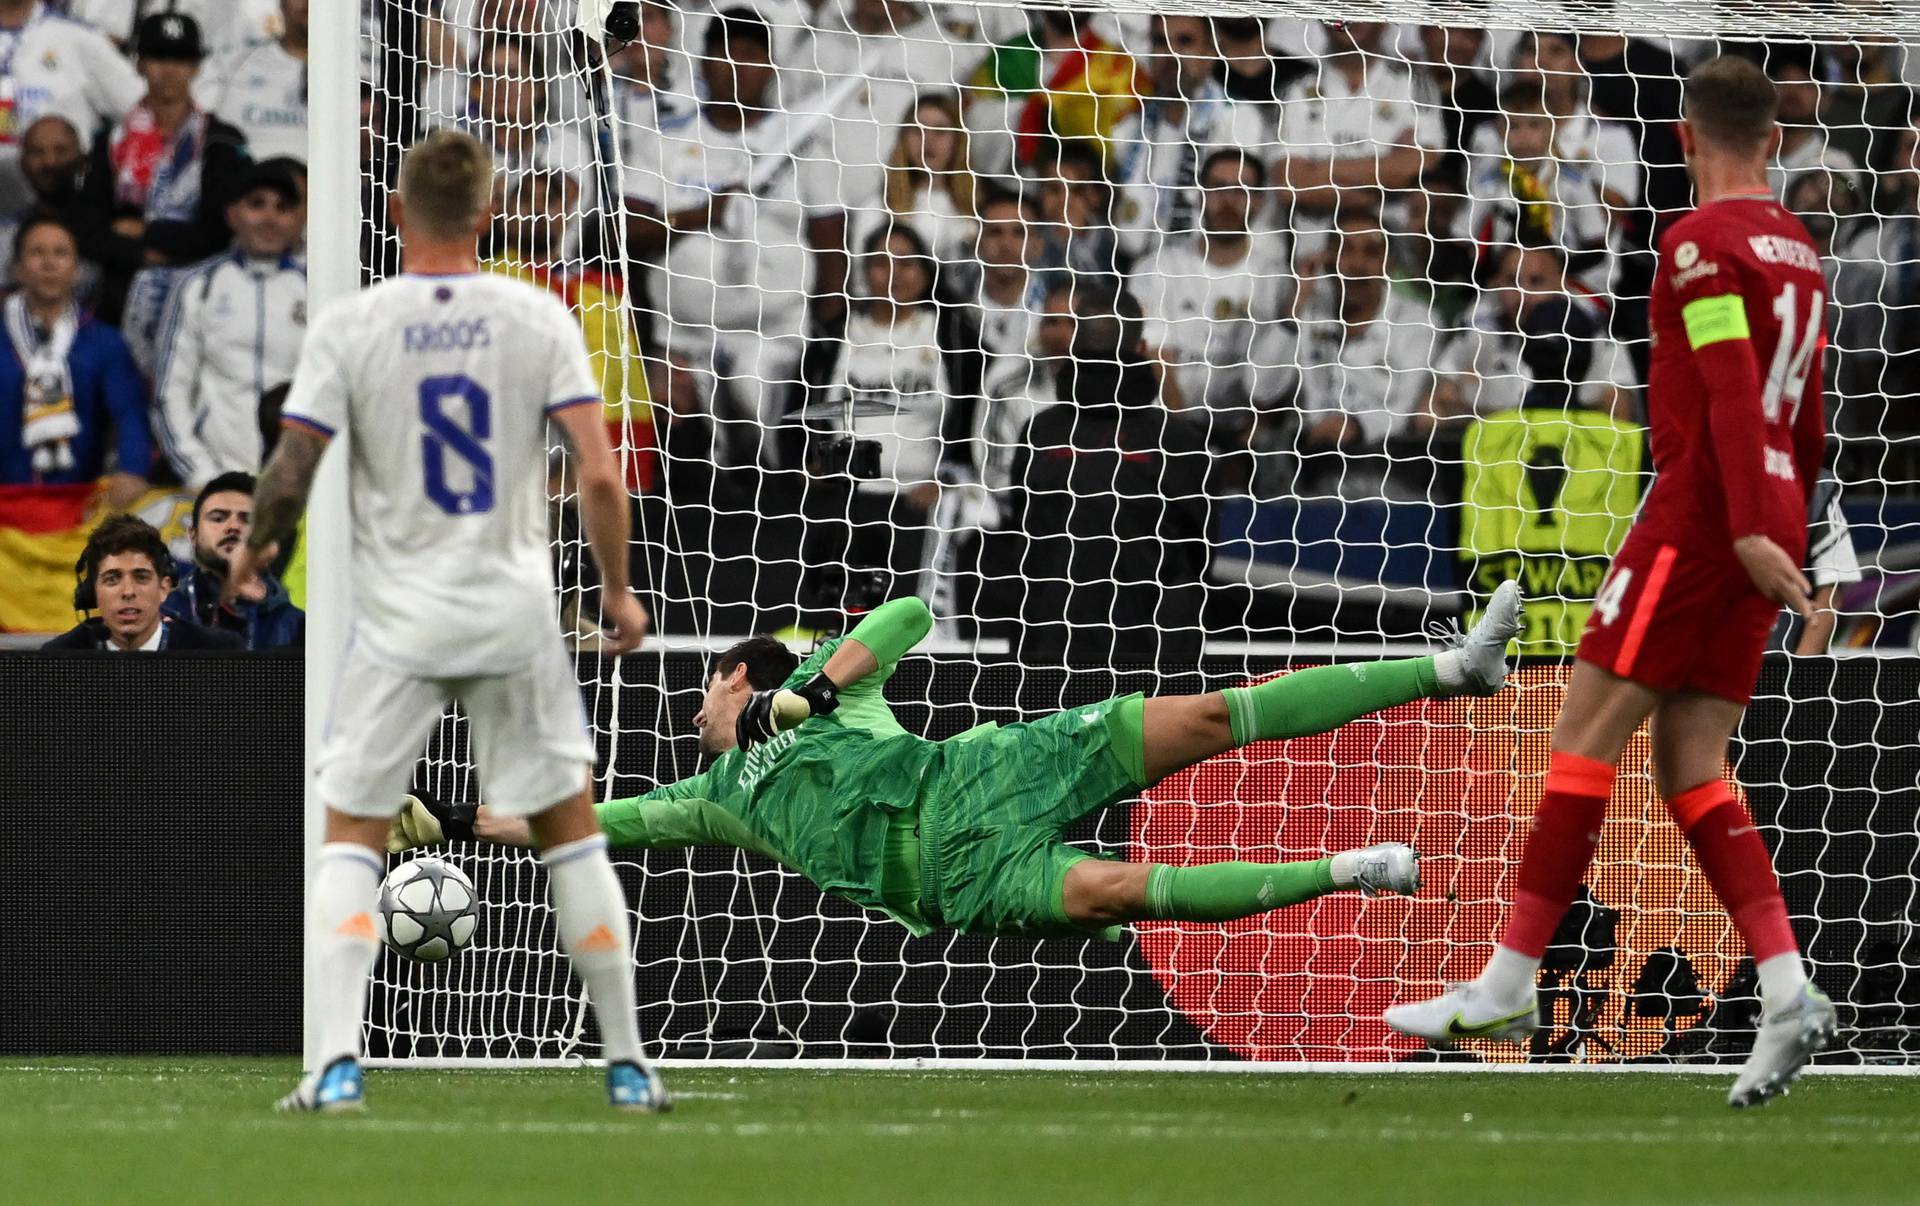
(200, 1130)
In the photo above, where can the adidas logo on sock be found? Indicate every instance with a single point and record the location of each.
(600, 940)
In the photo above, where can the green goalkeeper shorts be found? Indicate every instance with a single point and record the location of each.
(991, 858)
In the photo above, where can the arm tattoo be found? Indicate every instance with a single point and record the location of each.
(280, 495)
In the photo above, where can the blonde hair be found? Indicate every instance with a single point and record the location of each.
(446, 183)
(954, 179)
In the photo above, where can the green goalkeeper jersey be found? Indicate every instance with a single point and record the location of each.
(822, 798)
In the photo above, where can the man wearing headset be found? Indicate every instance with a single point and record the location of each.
(124, 574)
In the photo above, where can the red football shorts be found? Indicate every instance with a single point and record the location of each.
(1672, 621)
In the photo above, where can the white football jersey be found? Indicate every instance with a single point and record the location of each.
(445, 384)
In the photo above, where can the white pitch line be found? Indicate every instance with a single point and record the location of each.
(1689, 1135)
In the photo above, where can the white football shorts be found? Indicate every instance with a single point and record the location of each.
(528, 734)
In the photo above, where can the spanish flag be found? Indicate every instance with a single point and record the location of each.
(1085, 92)
(43, 529)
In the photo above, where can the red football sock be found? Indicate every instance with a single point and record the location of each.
(1566, 829)
(1737, 865)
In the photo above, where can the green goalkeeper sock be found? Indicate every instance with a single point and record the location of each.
(1324, 698)
(1225, 891)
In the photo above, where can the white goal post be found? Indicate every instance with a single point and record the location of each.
(1393, 394)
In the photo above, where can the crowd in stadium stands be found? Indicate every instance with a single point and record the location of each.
(999, 303)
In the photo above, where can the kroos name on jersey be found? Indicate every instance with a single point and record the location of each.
(461, 336)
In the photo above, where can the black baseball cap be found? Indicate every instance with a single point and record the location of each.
(280, 175)
(170, 37)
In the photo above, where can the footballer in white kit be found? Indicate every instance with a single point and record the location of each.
(443, 381)
(446, 383)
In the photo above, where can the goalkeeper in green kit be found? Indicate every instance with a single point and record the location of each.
(812, 770)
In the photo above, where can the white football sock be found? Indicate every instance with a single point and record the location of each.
(1449, 670)
(1510, 975)
(342, 941)
(1781, 979)
(592, 911)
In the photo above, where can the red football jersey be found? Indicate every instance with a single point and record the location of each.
(1739, 283)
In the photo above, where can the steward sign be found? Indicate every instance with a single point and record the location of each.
(1547, 497)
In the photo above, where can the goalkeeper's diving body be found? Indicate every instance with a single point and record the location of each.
(812, 770)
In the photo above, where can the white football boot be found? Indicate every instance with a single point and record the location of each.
(1467, 1011)
(1483, 651)
(1787, 1040)
(334, 1089)
(1389, 867)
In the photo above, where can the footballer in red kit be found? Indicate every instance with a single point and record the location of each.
(1738, 319)
(1734, 399)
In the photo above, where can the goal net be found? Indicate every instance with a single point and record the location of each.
(1165, 346)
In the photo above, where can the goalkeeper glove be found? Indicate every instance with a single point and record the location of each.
(771, 712)
(425, 821)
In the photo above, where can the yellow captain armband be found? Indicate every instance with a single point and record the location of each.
(1715, 319)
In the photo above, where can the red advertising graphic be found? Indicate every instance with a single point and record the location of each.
(1459, 780)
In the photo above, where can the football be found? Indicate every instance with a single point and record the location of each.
(428, 910)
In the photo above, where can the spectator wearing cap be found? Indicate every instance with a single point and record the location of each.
(124, 573)
(263, 617)
(225, 24)
(161, 176)
(72, 405)
(51, 64)
(261, 87)
(232, 331)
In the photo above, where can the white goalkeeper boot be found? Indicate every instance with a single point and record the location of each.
(1481, 655)
(1377, 870)
(1787, 1040)
(1467, 1011)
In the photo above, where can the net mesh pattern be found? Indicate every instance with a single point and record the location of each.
(1176, 344)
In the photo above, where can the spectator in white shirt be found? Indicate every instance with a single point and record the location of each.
(1364, 353)
(50, 64)
(508, 108)
(232, 332)
(1531, 341)
(1012, 298)
(651, 76)
(929, 187)
(1350, 131)
(1214, 299)
(262, 88)
(1579, 133)
(1158, 148)
(1527, 195)
(1805, 140)
(1074, 204)
(749, 216)
(904, 382)
(872, 58)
